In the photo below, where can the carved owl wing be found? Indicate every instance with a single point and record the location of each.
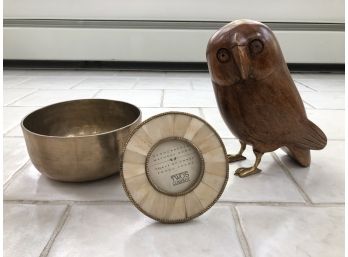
(274, 111)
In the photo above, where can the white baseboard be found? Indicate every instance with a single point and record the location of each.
(161, 45)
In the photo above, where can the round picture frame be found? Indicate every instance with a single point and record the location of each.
(174, 167)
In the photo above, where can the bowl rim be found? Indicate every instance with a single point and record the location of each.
(82, 136)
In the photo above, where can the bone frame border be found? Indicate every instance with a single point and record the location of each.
(169, 221)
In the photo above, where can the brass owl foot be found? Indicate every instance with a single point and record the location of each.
(244, 172)
(237, 157)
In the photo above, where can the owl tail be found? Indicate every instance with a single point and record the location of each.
(300, 155)
(311, 137)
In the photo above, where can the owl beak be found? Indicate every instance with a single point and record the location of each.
(240, 56)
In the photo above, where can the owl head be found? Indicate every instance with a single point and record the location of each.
(243, 50)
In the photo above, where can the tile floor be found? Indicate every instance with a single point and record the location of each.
(284, 211)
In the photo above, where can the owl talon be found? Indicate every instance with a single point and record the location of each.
(244, 172)
(235, 158)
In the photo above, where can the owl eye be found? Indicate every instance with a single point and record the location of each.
(256, 46)
(223, 55)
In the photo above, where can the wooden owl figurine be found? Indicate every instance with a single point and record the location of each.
(256, 95)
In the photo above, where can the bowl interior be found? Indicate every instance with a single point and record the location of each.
(81, 118)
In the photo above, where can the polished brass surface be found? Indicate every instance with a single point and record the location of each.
(244, 172)
(79, 140)
(237, 157)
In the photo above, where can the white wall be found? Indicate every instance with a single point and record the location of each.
(205, 10)
(180, 45)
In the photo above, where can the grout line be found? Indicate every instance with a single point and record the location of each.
(98, 91)
(222, 202)
(15, 174)
(280, 204)
(115, 202)
(288, 174)
(230, 138)
(9, 130)
(69, 202)
(135, 84)
(18, 99)
(21, 106)
(307, 107)
(39, 202)
(310, 105)
(77, 83)
(240, 233)
(55, 233)
(200, 109)
(127, 202)
(326, 109)
(301, 83)
(191, 85)
(20, 83)
(162, 98)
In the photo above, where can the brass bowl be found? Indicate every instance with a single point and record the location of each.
(79, 140)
